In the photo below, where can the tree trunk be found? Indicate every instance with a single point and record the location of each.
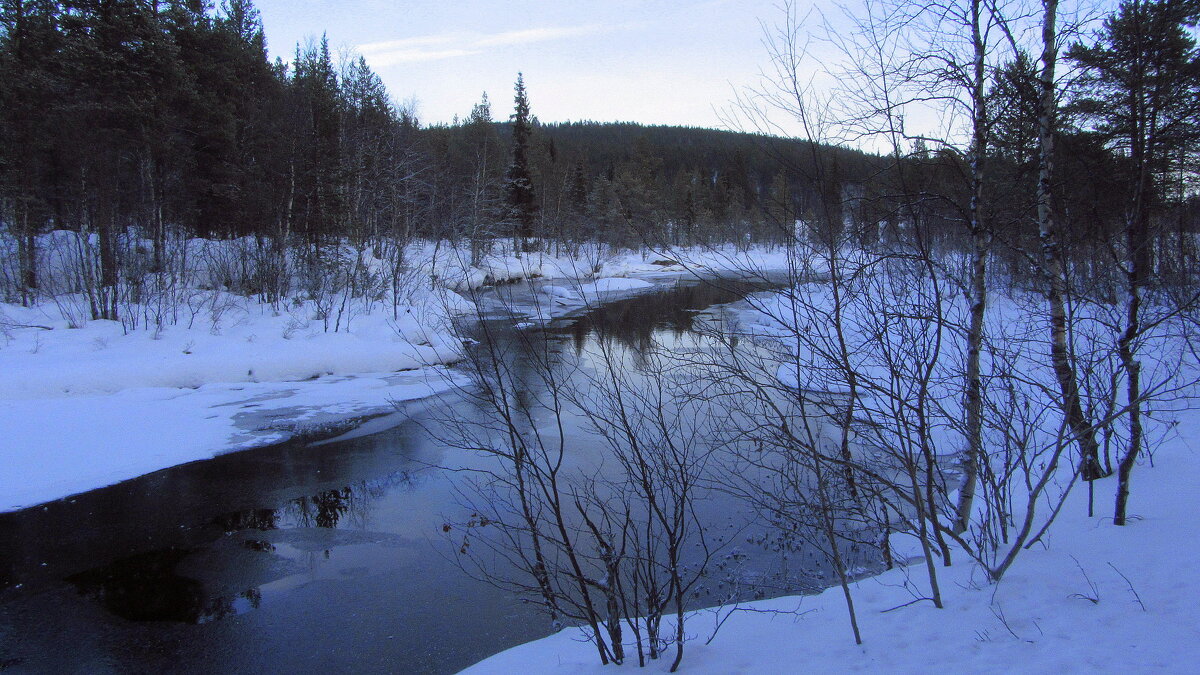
(26, 254)
(1054, 269)
(1125, 467)
(108, 266)
(29, 274)
(1138, 239)
(974, 383)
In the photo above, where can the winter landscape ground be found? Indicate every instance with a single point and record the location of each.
(1083, 579)
(87, 403)
(1093, 599)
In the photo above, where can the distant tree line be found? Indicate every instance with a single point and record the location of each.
(149, 118)
(168, 115)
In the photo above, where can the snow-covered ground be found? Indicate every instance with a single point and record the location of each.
(58, 446)
(85, 404)
(86, 407)
(1090, 597)
(1095, 598)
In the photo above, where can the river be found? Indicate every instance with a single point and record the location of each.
(298, 557)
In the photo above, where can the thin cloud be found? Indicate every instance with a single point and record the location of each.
(398, 56)
(410, 43)
(524, 37)
(455, 45)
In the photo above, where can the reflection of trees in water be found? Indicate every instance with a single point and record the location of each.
(145, 587)
(634, 323)
(323, 509)
(327, 508)
(609, 487)
(524, 358)
(251, 519)
(352, 505)
(637, 324)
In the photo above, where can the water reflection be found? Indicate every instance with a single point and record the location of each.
(638, 323)
(552, 398)
(250, 519)
(146, 587)
(150, 586)
(349, 506)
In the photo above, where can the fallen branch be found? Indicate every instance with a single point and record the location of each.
(1130, 584)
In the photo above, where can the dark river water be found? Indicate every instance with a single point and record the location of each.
(293, 558)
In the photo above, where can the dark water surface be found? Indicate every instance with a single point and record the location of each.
(292, 558)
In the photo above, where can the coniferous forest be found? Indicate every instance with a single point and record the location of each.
(168, 117)
(161, 117)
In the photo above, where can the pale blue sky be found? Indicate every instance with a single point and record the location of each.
(655, 62)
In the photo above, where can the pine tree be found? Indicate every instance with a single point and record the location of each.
(256, 89)
(367, 148)
(29, 77)
(483, 168)
(120, 71)
(317, 106)
(518, 185)
(1145, 97)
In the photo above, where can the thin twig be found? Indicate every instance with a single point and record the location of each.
(910, 602)
(1130, 584)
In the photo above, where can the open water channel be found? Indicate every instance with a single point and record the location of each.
(325, 557)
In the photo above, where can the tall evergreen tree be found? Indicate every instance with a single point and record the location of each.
(1145, 97)
(317, 142)
(367, 148)
(518, 185)
(484, 162)
(29, 93)
(121, 68)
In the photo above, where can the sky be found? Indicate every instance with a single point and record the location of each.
(649, 61)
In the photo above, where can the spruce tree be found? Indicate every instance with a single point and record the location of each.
(29, 84)
(318, 114)
(482, 182)
(1145, 97)
(518, 185)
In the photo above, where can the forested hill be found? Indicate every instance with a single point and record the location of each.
(709, 182)
(169, 117)
(752, 158)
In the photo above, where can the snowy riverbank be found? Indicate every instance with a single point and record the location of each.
(89, 403)
(1096, 598)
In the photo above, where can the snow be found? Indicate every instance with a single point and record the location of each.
(1041, 618)
(87, 403)
(560, 292)
(609, 285)
(66, 445)
(249, 345)
(564, 299)
(581, 293)
(90, 406)
(592, 262)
